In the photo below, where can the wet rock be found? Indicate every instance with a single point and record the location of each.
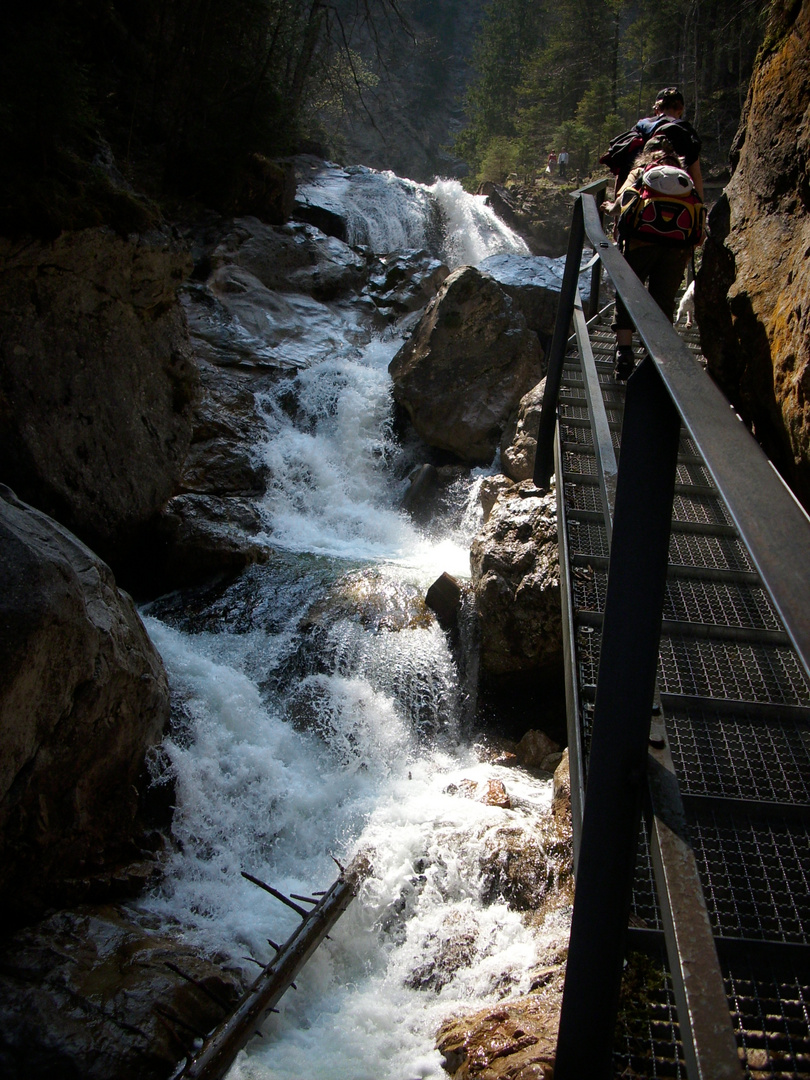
(495, 795)
(373, 600)
(444, 598)
(466, 366)
(405, 281)
(753, 289)
(423, 482)
(297, 258)
(97, 383)
(526, 867)
(561, 799)
(534, 282)
(236, 321)
(201, 536)
(227, 425)
(101, 993)
(516, 579)
(491, 793)
(492, 487)
(83, 695)
(519, 442)
(518, 1040)
(434, 493)
(535, 749)
(446, 952)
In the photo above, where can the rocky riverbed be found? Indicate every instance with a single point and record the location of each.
(137, 440)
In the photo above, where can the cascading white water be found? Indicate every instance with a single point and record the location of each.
(320, 714)
(388, 213)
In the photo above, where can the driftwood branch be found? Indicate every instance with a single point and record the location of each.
(228, 1038)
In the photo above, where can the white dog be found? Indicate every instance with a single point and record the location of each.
(687, 305)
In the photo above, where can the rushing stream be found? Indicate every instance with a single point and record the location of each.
(323, 713)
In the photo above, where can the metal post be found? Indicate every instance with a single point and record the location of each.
(596, 269)
(616, 779)
(544, 459)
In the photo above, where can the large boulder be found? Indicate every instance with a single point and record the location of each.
(97, 384)
(534, 283)
(295, 258)
(211, 526)
(516, 578)
(83, 696)
(100, 993)
(466, 367)
(753, 289)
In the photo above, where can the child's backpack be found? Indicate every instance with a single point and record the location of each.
(662, 208)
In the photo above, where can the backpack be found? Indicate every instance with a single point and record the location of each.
(662, 208)
(623, 149)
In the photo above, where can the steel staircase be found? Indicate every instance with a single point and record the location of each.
(716, 973)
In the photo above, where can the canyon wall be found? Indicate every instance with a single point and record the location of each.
(753, 295)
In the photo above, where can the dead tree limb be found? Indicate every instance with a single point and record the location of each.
(228, 1038)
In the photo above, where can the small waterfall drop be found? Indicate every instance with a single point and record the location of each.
(318, 712)
(388, 213)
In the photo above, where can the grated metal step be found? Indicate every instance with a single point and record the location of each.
(736, 710)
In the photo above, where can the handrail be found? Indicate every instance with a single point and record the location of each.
(666, 391)
(772, 524)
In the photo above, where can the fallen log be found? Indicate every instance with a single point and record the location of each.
(227, 1039)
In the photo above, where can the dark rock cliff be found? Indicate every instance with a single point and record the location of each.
(753, 296)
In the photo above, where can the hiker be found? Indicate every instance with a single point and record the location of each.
(562, 162)
(661, 218)
(551, 164)
(667, 120)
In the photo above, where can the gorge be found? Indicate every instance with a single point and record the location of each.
(198, 409)
(318, 706)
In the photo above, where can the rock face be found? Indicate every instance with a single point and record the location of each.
(83, 695)
(753, 290)
(534, 282)
(541, 213)
(466, 366)
(97, 385)
(516, 578)
(295, 258)
(90, 994)
(519, 442)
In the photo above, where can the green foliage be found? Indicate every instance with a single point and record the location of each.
(499, 159)
(512, 30)
(593, 68)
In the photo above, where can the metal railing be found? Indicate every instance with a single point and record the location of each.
(668, 391)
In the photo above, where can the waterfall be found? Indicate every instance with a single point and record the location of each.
(318, 712)
(389, 213)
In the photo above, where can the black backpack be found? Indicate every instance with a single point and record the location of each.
(624, 149)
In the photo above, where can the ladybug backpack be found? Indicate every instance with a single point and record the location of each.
(662, 207)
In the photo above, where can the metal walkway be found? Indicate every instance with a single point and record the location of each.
(736, 712)
(716, 976)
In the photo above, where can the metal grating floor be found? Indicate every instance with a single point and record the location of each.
(736, 707)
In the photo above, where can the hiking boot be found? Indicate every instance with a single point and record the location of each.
(624, 363)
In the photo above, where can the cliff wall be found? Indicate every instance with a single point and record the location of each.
(753, 296)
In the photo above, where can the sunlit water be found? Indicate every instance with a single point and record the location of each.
(310, 731)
